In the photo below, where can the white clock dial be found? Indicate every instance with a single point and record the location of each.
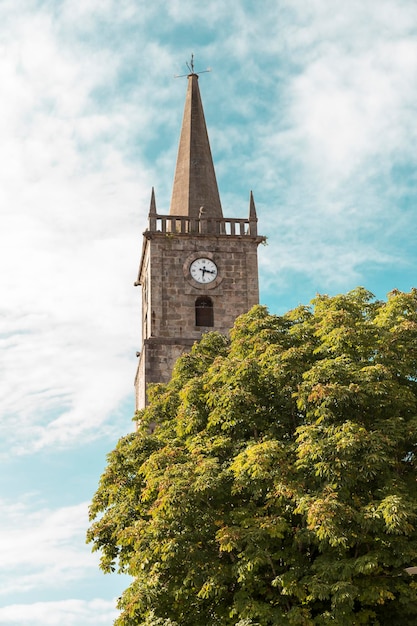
(203, 270)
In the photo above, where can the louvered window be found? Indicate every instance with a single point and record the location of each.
(204, 312)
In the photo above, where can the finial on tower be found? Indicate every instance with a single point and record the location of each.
(252, 209)
(152, 212)
(152, 207)
(190, 66)
(253, 218)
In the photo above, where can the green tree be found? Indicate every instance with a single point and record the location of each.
(279, 486)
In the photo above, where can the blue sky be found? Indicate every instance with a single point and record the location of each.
(311, 103)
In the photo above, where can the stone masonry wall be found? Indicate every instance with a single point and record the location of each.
(171, 294)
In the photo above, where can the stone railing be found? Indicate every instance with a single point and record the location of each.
(202, 226)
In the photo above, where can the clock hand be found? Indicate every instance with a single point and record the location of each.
(205, 271)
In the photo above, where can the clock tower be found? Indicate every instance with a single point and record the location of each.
(198, 269)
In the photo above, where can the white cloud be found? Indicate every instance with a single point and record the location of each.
(350, 108)
(187, 11)
(43, 547)
(341, 121)
(60, 613)
(68, 242)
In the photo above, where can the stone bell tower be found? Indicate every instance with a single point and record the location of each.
(198, 270)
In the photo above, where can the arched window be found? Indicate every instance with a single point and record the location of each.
(204, 311)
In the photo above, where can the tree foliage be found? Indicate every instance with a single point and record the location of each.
(279, 486)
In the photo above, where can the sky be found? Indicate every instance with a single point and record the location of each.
(310, 103)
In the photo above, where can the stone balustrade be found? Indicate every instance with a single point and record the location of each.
(202, 226)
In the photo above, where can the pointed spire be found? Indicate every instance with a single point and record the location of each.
(195, 184)
(152, 207)
(152, 212)
(253, 218)
(252, 209)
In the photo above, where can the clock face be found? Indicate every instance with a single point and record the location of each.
(203, 270)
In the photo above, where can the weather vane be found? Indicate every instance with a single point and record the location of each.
(190, 66)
